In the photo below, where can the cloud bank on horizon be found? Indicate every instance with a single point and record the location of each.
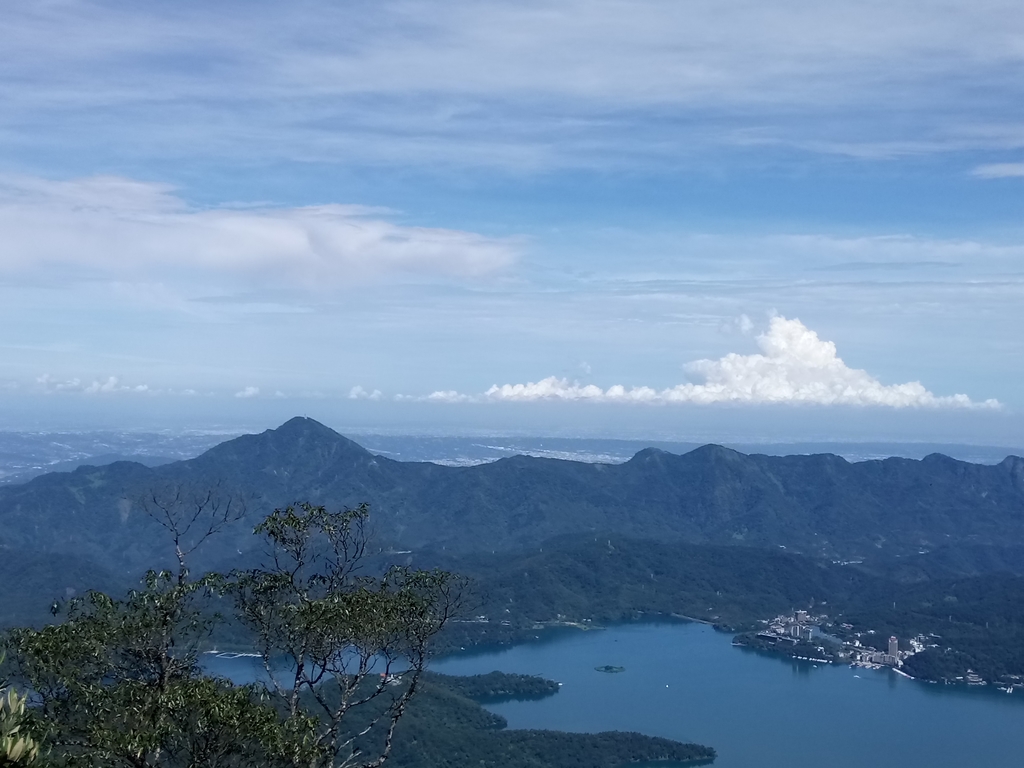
(794, 367)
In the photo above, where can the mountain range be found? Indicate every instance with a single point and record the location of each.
(92, 520)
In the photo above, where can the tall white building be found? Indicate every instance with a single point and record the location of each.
(894, 646)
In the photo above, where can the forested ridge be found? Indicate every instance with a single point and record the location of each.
(818, 505)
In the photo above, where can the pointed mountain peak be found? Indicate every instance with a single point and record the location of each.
(299, 436)
(303, 426)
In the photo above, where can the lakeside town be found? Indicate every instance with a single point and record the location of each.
(816, 638)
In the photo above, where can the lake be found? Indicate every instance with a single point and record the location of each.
(687, 682)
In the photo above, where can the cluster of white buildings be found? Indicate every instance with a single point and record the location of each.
(891, 657)
(799, 625)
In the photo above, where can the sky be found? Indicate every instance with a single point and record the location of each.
(679, 219)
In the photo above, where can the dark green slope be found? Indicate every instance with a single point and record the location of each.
(84, 514)
(445, 726)
(613, 578)
(32, 581)
(819, 505)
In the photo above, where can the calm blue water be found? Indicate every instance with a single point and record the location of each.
(687, 682)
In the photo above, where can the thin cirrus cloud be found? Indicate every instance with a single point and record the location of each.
(793, 367)
(513, 83)
(999, 171)
(125, 228)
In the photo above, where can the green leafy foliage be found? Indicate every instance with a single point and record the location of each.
(118, 684)
(17, 747)
(118, 681)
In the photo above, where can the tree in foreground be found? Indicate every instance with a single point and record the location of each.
(348, 646)
(119, 681)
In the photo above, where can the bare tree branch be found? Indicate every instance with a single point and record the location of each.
(339, 628)
(191, 516)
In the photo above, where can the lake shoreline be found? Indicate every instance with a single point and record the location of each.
(684, 682)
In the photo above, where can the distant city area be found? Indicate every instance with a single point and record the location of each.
(817, 638)
(800, 626)
(24, 455)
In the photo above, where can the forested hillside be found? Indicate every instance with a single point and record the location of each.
(819, 505)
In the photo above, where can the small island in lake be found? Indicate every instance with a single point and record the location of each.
(610, 669)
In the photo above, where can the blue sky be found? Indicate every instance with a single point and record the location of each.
(717, 219)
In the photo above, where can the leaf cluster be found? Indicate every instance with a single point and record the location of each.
(17, 747)
(118, 681)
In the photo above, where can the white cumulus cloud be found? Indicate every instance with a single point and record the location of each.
(359, 393)
(110, 385)
(794, 367)
(447, 396)
(125, 228)
(248, 392)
